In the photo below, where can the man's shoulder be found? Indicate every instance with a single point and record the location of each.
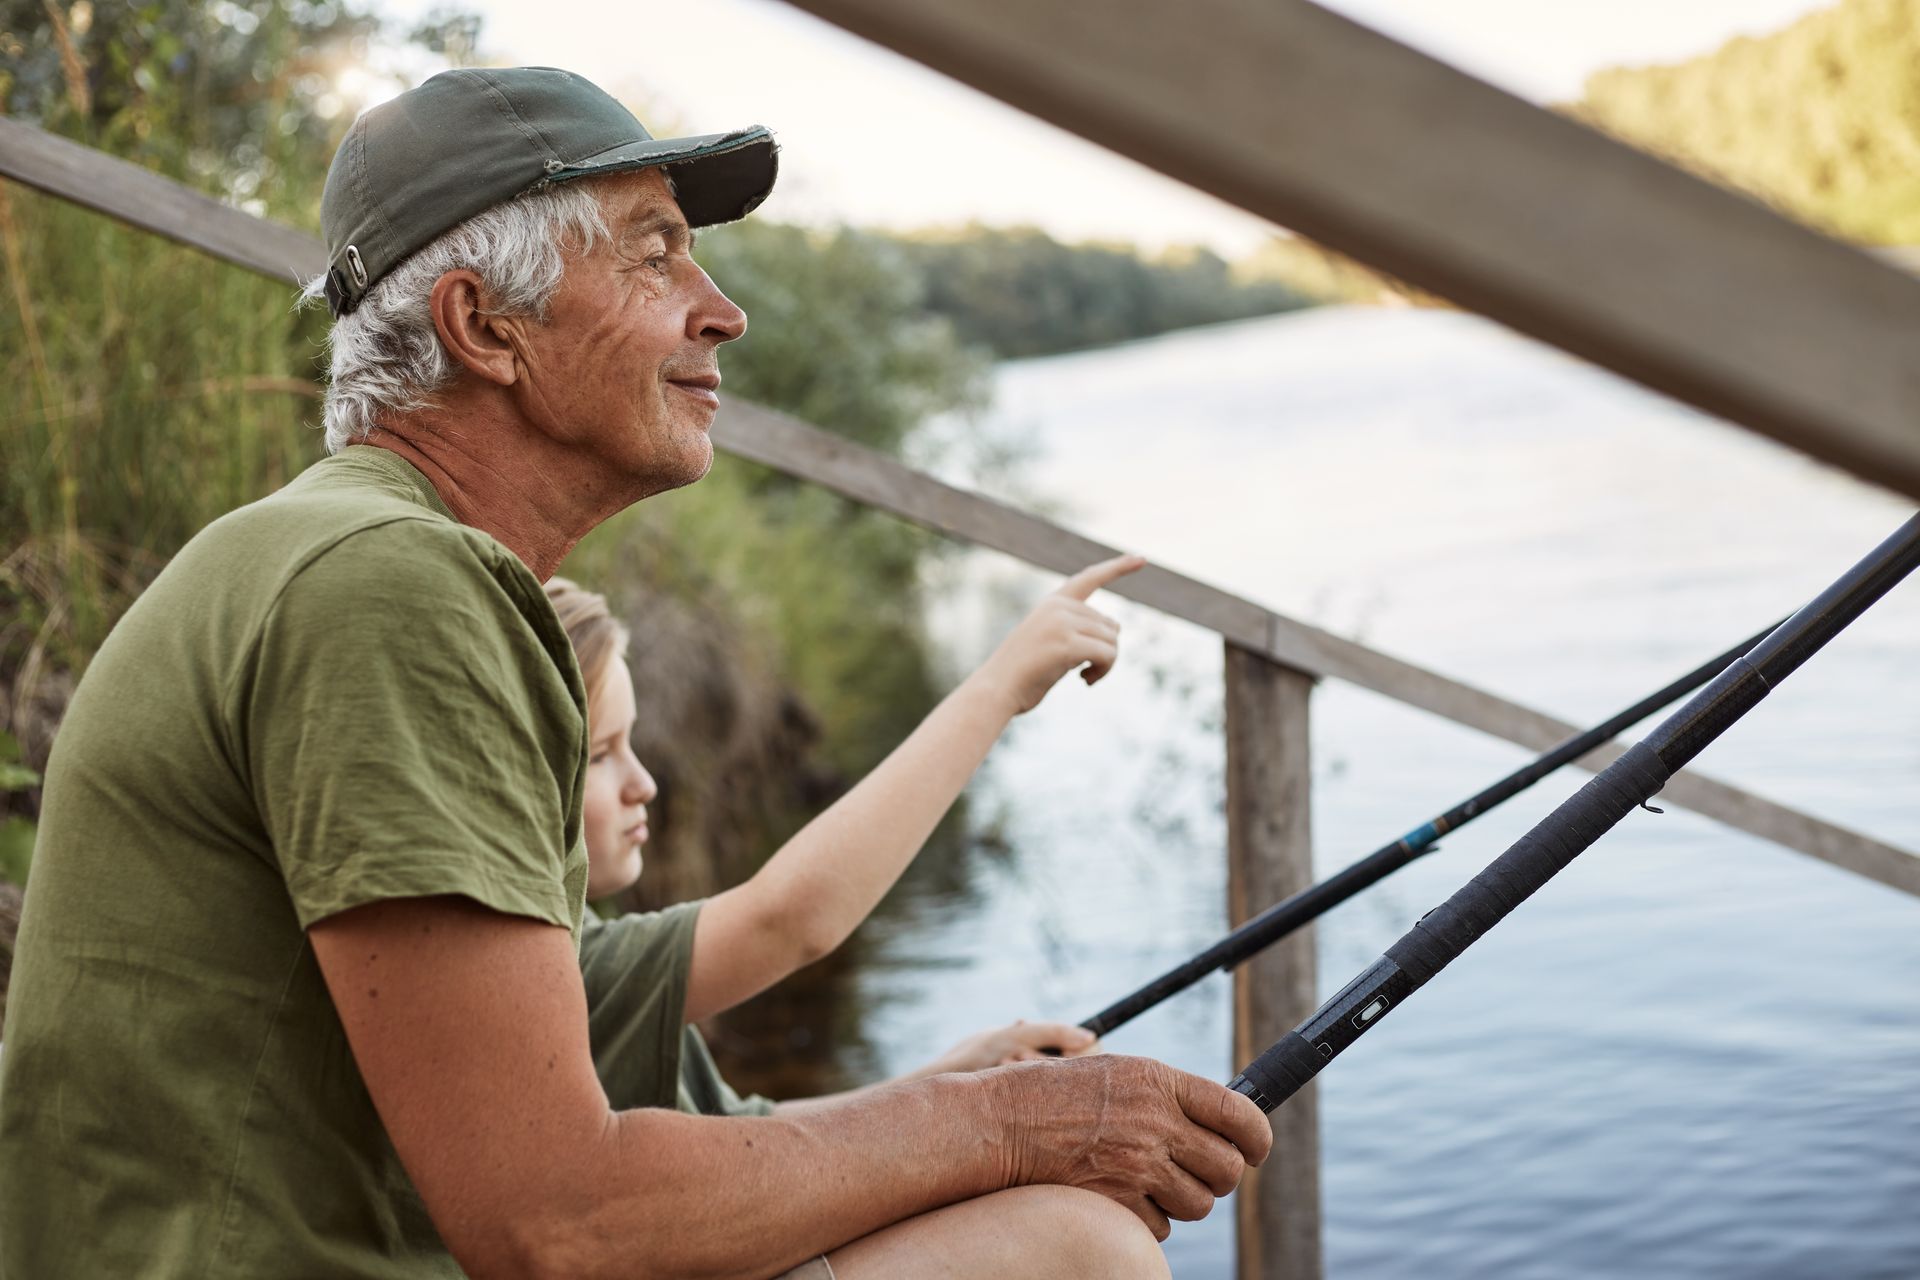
(351, 543)
(335, 499)
(370, 518)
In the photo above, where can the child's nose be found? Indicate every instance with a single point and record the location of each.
(642, 785)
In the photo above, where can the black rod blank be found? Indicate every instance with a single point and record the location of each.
(1450, 928)
(1281, 919)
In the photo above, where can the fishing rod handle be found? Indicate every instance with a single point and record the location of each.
(1450, 928)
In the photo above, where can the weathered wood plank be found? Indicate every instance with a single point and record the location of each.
(79, 173)
(1269, 859)
(1305, 117)
(154, 203)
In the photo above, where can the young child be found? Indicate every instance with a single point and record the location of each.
(649, 977)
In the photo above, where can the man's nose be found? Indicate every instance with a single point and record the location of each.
(715, 319)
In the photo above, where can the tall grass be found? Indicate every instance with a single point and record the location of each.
(144, 390)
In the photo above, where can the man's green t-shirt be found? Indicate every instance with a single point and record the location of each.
(332, 696)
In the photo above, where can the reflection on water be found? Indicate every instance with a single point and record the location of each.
(1693, 1053)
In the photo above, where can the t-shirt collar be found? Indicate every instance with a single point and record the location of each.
(400, 469)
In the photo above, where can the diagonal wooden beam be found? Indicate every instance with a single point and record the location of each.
(1324, 126)
(144, 199)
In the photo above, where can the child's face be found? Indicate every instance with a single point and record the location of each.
(614, 810)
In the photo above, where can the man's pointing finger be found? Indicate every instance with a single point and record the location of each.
(1095, 576)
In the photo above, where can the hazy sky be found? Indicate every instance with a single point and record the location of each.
(872, 138)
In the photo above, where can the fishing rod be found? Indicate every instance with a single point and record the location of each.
(1438, 937)
(1281, 919)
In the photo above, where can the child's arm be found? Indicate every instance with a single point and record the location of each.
(822, 883)
(1021, 1042)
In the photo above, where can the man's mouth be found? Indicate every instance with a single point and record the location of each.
(703, 387)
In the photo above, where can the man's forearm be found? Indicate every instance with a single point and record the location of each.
(660, 1193)
(797, 1106)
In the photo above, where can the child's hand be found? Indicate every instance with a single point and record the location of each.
(1021, 1042)
(1062, 632)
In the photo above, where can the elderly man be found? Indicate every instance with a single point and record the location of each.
(297, 991)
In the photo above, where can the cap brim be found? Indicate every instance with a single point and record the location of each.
(717, 177)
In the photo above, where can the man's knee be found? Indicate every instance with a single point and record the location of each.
(1081, 1233)
(1061, 1233)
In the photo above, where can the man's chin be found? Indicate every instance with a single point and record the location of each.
(699, 461)
(673, 463)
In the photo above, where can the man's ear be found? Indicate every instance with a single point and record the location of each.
(476, 340)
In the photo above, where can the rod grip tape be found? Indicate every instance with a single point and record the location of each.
(1450, 928)
(1279, 1073)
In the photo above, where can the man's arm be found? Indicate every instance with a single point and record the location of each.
(470, 1030)
(822, 883)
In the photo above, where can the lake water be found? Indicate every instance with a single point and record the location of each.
(1694, 1053)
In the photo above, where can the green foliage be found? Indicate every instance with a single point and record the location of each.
(1821, 119)
(1314, 271)
(16, 833)
(237, 97)
(1019, 292)
(14, 776)
(16, 849)
(147, 389)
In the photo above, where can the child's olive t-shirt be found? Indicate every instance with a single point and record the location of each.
(635, 971)
(332, 696)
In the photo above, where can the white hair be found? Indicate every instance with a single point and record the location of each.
(385, 355)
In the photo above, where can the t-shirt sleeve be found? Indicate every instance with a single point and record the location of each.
(707, 1088)
(410, 729)
(635, 971)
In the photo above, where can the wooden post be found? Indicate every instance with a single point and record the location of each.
(1270, 857)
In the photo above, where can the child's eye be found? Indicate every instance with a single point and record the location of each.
(597, 758)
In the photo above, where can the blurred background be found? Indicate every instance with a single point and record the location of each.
(1693, 1055)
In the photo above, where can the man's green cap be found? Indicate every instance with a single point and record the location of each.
(467, 140)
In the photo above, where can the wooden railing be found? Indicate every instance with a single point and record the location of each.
(1271, 660)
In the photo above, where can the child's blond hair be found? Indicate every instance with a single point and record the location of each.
(598, 637)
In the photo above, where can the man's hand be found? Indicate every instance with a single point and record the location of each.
(1022, 1042)
(1063, 632)
(1160, 1142)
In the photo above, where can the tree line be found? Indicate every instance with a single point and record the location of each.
(1821, 119)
